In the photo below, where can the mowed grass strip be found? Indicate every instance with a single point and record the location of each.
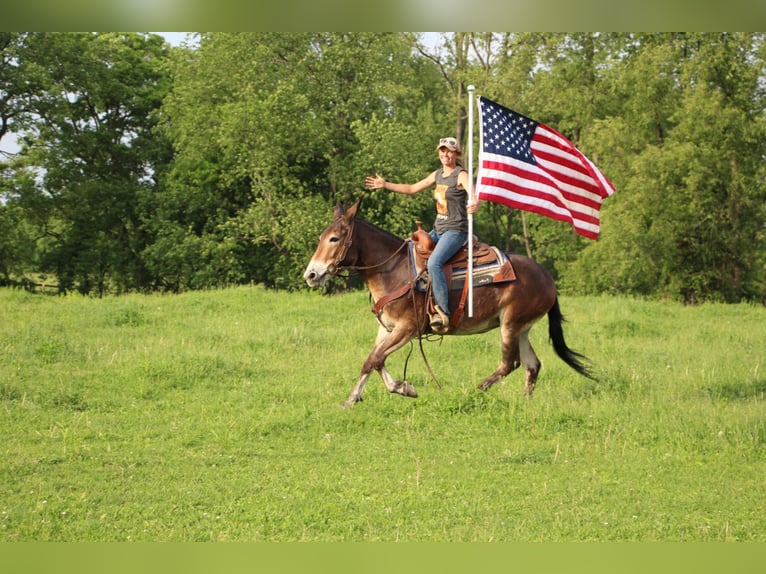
(216, 416)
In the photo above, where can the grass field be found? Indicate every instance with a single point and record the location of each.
(216, 416)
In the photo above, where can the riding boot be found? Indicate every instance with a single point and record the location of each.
(439, 321)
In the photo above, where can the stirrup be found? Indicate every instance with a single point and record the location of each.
(439, 321)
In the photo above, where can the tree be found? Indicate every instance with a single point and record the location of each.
(268, 127)
(690, 210)
(10, 80)
(16, 242)
(147, 167)
(89, 111)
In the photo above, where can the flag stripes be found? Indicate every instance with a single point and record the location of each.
(530, 166)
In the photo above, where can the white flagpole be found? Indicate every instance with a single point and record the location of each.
(469, 274)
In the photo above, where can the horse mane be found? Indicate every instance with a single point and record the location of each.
(380, 230)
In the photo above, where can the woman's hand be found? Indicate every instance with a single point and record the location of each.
(376, 182)
(473, 206)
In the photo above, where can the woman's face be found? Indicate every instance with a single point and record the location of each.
(447, 157)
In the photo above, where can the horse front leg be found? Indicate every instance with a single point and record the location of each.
(393, 385)
(356, 393)
(385, 344)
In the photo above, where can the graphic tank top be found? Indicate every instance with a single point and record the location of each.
(451, 211)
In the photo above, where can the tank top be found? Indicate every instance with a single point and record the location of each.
(451, 211)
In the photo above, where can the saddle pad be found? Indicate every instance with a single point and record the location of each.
(498, 271)
(495, 269)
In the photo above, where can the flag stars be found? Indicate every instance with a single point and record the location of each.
(506, 132)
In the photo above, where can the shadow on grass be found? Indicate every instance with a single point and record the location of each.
(739, 391)
(476, 402)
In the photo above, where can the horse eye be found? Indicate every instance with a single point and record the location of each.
(334, 239)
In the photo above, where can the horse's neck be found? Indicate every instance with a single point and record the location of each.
(383, 255)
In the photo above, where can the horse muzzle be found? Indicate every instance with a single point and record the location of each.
(316, 274)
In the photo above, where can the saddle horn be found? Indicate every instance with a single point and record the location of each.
(423, 240)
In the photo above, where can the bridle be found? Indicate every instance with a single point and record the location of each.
(334, 267)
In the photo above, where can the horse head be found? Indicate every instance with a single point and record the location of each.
(333, 247)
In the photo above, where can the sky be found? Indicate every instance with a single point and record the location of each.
(173, 38)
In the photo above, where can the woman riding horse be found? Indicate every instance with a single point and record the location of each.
(384, 263)
(450, 231)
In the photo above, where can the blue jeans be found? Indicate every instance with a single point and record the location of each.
(447, 244)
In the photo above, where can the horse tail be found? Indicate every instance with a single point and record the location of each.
(556, 334)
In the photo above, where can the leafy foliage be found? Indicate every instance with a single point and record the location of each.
(89, 152)
(690, 211)
(148, 167)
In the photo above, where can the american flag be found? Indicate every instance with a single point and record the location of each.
(527, 165)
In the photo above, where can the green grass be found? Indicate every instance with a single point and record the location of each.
(216, 416)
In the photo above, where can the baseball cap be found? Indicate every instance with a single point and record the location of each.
(449, 143)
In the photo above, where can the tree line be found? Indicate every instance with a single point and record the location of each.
(146, 167)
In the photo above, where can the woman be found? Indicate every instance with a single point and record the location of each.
(450, 232)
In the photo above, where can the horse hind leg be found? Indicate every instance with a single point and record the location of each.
(517, 350)
(531, 363)
(511, 357)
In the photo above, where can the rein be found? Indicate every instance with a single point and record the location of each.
(381, 264)
(335, 267)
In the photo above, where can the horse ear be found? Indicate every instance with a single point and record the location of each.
(338, 210)
(351, 211)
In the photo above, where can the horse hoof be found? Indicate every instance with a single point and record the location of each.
(351, 401)
(409, 391)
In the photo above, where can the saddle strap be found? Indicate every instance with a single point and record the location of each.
(388, 297)
(458, 314)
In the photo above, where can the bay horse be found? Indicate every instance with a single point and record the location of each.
(384, 263)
